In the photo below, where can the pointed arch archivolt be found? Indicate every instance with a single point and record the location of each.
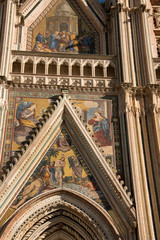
(62, 211)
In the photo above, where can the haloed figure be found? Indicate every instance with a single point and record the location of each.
(101, 128)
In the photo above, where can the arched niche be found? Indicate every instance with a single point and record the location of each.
(64, 68)
(61, 213)
(87, 70)
(110, 71)
(16, 68)
(28, 67)
(99, 71)
(76, 69)
(40, 68)
(52, 68)
(158, 73)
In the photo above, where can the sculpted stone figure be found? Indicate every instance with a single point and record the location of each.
(156, 15)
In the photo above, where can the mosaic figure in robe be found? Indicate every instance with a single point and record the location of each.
(26, 120)
(101, 129)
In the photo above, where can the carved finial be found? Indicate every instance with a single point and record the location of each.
(65, 92)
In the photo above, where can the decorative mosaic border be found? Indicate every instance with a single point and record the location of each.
(116, 132)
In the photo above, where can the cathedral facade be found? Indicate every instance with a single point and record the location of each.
(80, 119)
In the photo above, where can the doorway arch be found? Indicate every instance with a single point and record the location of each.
(61, 213)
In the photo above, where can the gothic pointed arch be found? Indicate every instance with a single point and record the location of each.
(62, 210)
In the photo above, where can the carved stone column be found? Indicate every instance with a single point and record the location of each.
(3, 110)
(46, 68)
(124, 42)
(152, 111)
(34, 67)
(22, 67)
(81, 70)
(93, 71)
(70, 70)
(124, 136)
(6, 47)
(58, 69)
(137, 162)
(142, 44)
(140, 96)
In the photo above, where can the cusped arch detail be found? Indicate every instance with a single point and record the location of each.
(27, 59)
(16, 58)
(110, 63)
(64, 61)
(52, 60)
(41, 60)
(100, 63)
(87, 62)
(76, 61)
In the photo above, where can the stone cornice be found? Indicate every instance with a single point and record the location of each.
(120, 7)
(64, 55)
(133, 99)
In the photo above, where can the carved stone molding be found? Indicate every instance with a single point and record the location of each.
(138, 100)
(4, 83)
(44, 214)
(120, 7)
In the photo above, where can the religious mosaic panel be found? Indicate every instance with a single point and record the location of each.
(25, 109)
(61, 30)
(62, 166)
(28, 112)
(100, 114)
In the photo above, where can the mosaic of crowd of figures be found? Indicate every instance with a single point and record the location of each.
(62, 30)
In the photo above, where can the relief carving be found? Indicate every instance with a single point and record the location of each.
(156, 15)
